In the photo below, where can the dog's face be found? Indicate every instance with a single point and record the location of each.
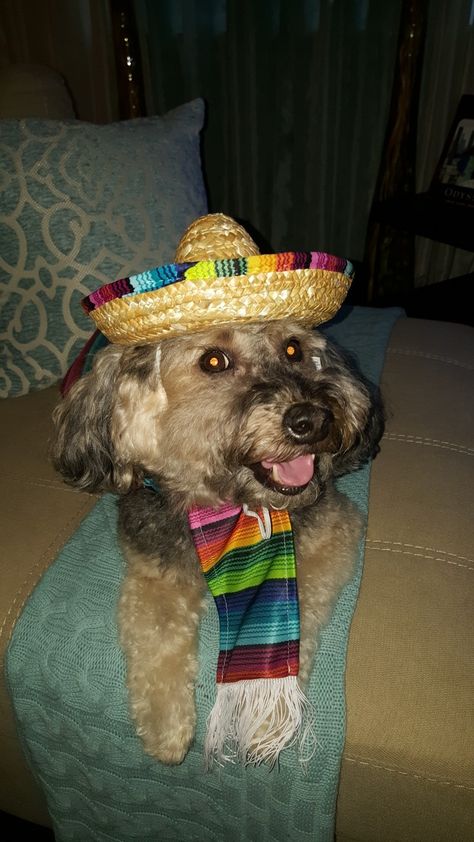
(263, 414)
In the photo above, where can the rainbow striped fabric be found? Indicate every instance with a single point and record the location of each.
(253, 582)
(171, 273)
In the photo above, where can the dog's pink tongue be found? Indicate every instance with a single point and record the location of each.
(296, 472)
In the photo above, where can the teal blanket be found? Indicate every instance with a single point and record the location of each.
(66, 676)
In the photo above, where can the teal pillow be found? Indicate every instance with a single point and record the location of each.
(82, 205)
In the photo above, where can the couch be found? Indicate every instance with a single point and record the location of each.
(408, 764)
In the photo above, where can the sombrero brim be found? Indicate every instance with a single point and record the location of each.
(186, 298)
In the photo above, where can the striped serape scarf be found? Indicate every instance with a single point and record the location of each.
(248, 561)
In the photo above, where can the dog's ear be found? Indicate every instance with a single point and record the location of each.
(365, 444)
(107, 426)
(82, 449)
(135, 422)
(363, 416)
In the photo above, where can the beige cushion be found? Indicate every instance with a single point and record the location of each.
(38, 513)
(408, 769)
(408, 766)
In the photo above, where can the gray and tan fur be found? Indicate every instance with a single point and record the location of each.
(156, 411)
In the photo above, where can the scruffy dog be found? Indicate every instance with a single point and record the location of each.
(264, 414)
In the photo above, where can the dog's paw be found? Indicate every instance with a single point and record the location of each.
(166, 726)
(171, 747)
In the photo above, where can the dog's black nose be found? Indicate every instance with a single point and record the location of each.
(307, 423)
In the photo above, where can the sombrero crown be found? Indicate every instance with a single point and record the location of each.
(219, 277)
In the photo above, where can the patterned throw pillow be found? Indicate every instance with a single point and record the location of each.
(82, 205)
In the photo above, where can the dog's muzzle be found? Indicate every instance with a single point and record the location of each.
(304, 424)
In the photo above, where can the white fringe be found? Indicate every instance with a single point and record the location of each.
(252, 721)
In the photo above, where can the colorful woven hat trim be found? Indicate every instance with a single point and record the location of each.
(171, 273)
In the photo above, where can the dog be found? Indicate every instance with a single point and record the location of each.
(264, 414)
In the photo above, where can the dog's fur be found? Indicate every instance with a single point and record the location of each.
(152, 411)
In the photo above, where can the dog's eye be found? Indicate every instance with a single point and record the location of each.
(215, 360)
(293, 351)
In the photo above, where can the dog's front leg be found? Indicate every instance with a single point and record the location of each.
(326, 552)
(159, 615)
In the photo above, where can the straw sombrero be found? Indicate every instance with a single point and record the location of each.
(219, 277)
